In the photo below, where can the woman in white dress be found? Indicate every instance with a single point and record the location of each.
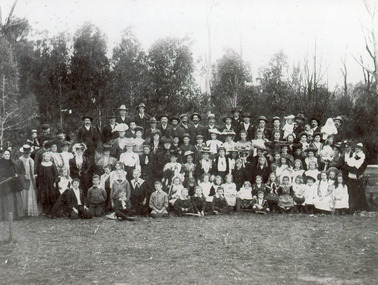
(130, 159)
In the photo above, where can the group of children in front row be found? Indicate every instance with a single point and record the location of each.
(324, 193)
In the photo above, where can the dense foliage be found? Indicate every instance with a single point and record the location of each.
(64, 77)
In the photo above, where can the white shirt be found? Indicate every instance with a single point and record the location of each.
(222, 165)
(77, 194)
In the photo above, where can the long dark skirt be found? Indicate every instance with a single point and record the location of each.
(357, 196)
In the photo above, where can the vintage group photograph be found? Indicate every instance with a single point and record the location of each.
(188, 142)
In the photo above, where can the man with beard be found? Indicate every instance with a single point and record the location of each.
(299, 125)
(175, 130)
(315, 125)
(340, 131)
(123, 118)
(184, 122)
(195, 129)
(247, 126)
(276, 127)
(163, 125)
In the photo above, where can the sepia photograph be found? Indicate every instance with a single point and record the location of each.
(188, 142)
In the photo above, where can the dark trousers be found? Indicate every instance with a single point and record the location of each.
(97, 209)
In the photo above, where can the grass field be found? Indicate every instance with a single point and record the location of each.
(239, 248)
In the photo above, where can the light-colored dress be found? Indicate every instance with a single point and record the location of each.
(206, 187)
(323, 200)
(230, 193)
(310, 194)
(29, 194)
(341, 197)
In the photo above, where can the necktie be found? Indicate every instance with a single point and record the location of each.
(146, 160)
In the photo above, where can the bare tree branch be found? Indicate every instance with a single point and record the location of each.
(363, 65)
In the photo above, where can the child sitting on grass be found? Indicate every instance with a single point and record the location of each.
(261, 206)
(244, 197)
(285, 192)
(299, 194)
(183, 205)
(175, 190)
(311, 190)
(230, 191)
(199, 202)
(272, 196)
(220, 205)
(120, 196)
(159, 201)
(64, 180)
(96, 197)
(258, 186)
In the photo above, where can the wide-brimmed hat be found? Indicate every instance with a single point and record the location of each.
(300, 116)
(233, 110)
(211, 116)
(247, 115)
(227, 116)
(313, 149)
(123, 108)
(276, 118)
(141, 105)
(338, 118)
(199, 137)
(166, 140)
(111, 116)
(175, 117)
(77, 146)
(153, 120)
(34, 131)
(226, 132)
(65, 143)
(302, 134)
(262, 118)
(315, 119)
(162, 116)
(205, 149)
(183, 115)
(194, 114)
(359, 145)
(233, 150)
(221, 148)
(45, 127)
(188, 152)
(139, 128)
(25, 149)
(130, 142)
(317, 134)
(289, 117)
(121, 128)
(87, 117)
(334, 169)
(310, 177)
(214, 131)
(106, 146)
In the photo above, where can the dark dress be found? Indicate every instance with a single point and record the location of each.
(10, 191)
(47, 192)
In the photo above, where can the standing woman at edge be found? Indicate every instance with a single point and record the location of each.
(10, 189)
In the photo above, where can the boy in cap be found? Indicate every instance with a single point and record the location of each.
(96, 197)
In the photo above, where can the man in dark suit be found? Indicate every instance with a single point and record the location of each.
(164, 129)
(141, 119)
(175, 130)
(195, 129)
(236, 120)
(184, 123)
(72, 203)
(247, 126)
(107, 133)
(276, 127)
(88, 134)
(210, 126)
(123, 118)
(261, 126)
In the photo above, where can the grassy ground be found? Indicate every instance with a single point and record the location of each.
(239, 248)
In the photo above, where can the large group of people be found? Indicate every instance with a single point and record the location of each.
(185, 165)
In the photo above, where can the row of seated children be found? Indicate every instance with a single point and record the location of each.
(136, 198)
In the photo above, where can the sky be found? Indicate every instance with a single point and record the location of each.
(255, 28)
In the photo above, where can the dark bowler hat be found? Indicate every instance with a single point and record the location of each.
(175, 117)
(139, 128)
(226, 117)
(233, 110)
(45, 127)
(162, 116)
(87, 117)
(166, 140)
(195, 113)
(111, 116)
(300, 116)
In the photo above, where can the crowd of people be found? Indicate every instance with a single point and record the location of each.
(185, 165)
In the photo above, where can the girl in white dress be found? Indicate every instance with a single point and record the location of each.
(230, 191)
(323, 202)
(340, 196)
